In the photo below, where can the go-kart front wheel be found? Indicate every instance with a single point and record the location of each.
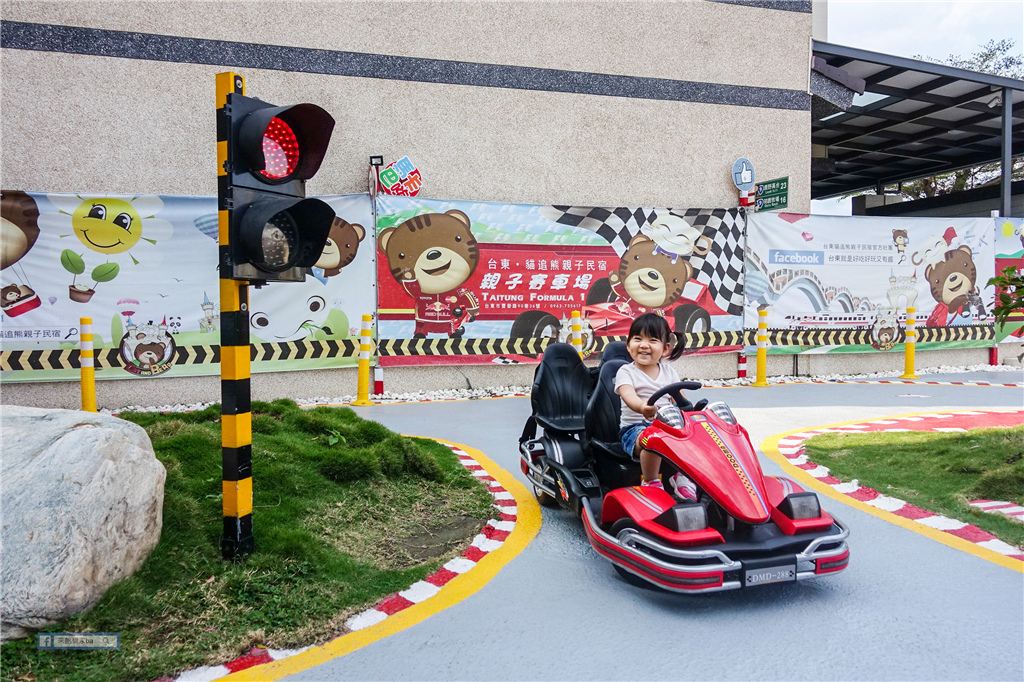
(543, 498)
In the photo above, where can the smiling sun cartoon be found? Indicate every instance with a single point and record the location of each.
(108, 226)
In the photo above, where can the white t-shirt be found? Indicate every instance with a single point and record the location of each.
(645, 387)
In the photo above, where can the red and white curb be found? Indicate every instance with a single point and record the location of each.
(792, 448)
(490, 538)
(1014, 511)
(905, 382)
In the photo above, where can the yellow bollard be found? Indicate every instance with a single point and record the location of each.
(577, 332)
(762, 349)
(908, 358)
(86, 362)
(365, 346)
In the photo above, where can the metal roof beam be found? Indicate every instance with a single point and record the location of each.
(892, 121)
(963, 101)
(872, 180)
(967, 124)
(829, 50)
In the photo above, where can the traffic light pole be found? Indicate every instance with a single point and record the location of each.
(236, 417)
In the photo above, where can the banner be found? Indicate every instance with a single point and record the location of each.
(861, 273)
(144, 268)
(461, 270)
(1010, 252)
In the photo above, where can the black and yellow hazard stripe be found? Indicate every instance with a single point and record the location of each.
(819, 337)
(105, 358)
(305, 350)
(25, 360)
(236, 415)
(449, 347)
(974, 332)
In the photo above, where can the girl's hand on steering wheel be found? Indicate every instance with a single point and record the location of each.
(649, 412)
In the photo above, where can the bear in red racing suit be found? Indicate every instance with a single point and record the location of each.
(442, 313)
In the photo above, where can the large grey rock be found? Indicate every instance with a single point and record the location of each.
(82, 506)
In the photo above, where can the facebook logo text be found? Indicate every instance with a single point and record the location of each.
(778, 257)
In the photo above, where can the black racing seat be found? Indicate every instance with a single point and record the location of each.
(616, 350)
(604, 410)
(561, 388)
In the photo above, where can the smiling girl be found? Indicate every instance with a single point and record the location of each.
(635, 382)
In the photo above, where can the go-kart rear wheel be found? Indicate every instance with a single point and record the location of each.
(543, 498)
(632, 579)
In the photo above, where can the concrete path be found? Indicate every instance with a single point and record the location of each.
(908, 608)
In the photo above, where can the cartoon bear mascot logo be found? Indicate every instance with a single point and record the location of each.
(648, 279)
(147, 349)
(885, 332)
(432, 256)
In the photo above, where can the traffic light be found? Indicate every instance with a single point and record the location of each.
(275, 233)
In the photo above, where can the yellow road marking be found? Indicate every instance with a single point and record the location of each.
(528, 520)
(770, 446)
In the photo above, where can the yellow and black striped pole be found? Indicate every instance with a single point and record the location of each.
(87, 362)
(762, 349)
(236, 417)
(909, 346)
(577, 332)
(365, 346)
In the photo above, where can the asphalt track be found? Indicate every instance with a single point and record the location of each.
(907, 608)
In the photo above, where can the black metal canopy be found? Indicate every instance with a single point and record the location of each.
(914, 119)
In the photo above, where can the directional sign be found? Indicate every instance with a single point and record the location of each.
(773, 194)
(743, 174)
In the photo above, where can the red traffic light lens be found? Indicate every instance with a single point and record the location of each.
(280, 150)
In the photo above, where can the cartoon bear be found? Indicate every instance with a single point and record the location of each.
(432, 256)
(885, 330)
(899, 238)
(648, 279)
(10, 294)
(951, 281)
(341, 246)
(149, 354)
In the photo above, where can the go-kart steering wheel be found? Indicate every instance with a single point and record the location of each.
(676, 391)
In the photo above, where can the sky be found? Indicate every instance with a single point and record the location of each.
(910, 28)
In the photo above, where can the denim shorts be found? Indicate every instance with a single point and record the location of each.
(628, 436)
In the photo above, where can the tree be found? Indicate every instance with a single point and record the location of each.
(1009, 286)
(994, 57)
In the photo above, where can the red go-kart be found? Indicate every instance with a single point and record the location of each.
(745, 529)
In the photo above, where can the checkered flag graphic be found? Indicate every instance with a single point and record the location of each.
(502, 360)
(721, 269)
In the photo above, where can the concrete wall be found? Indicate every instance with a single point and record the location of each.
(88, 123)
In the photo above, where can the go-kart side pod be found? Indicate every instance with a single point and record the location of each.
(656, 512)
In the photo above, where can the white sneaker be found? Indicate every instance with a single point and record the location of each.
(683, 488)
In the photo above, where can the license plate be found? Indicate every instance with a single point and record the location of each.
(767, 576)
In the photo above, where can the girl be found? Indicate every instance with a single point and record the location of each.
(635, 382)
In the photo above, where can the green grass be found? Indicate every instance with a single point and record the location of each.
(940, 472)
(345, 513)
